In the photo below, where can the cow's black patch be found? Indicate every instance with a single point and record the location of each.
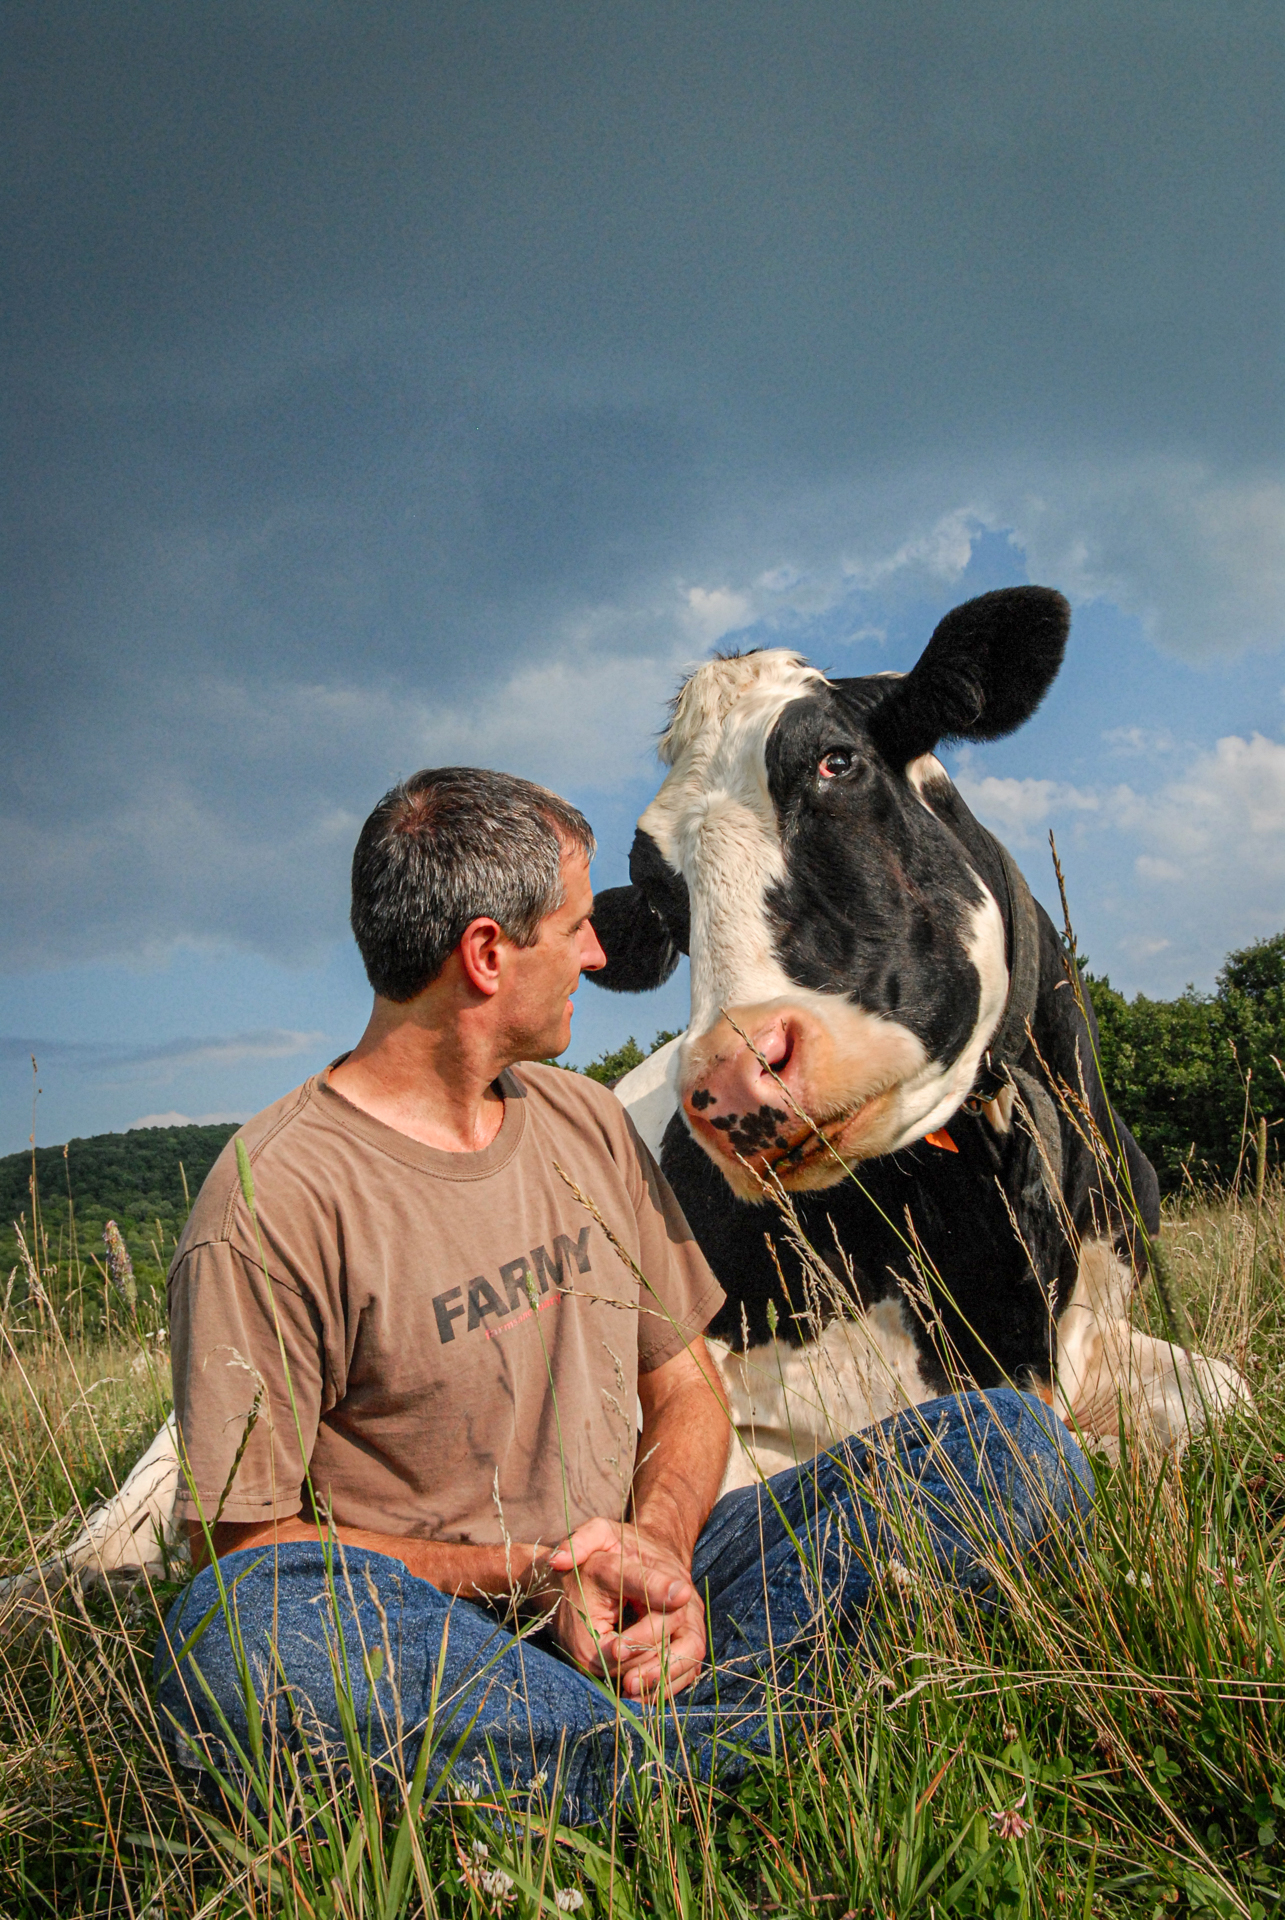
(878, 894)
(640, 948)
(664, 890)
(644, 927)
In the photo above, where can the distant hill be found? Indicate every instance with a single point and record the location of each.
(139, 1173)
(135, 1179)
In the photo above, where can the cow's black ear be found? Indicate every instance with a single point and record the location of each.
(640, 950)
(984, 672)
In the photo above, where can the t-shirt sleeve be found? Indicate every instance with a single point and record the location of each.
(680, 1295)
(231, 1390)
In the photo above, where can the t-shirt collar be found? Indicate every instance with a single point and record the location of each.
(413, 1153)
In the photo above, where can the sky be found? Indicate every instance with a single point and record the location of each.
(401, 385)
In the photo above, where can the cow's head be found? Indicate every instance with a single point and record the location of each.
(847, 959)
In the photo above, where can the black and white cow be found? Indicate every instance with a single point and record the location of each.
(880, 1020)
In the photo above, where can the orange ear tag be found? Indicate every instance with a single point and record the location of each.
(940, 1139)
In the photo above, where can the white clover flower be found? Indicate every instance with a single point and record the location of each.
(497, 1883)
(568, 1899)
(480, 1851)
(1130, 1578)
(1146, 1581)
(898, 1575)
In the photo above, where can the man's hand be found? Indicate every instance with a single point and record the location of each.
(628, 1611)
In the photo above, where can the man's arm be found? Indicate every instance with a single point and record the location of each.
(642, 1568)
(466, 1570)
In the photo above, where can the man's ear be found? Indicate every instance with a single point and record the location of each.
(640, 950)
(985, 671)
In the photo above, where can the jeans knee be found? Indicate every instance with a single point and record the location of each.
(1066, 1472)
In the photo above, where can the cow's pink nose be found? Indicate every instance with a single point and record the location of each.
(741, 1097)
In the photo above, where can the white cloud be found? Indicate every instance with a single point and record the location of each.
(712, 612)
(1162, 883)
(160, 1066)
(1015, 808)
(1219, 825)
(175, 1119)
(271, 1043)
(1139, 742)
(1148, 867)
(1200, 560)
(941, 553)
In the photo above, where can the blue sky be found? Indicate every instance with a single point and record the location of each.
(438, 384)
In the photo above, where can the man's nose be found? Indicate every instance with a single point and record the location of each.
(591, 954)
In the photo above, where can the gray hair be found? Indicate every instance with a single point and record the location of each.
(448, 846)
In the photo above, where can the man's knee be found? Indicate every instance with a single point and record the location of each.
(1001, 1438)
(1026, 1450)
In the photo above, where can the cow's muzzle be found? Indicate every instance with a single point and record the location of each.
(761, 1096)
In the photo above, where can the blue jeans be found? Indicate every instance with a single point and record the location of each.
(792, 1571)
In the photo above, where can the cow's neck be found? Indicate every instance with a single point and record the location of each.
(1000, 1070)
(1011, 1037)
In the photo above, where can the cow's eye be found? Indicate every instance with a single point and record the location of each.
(836, 763)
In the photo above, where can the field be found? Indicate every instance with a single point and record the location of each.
(1113, 1742)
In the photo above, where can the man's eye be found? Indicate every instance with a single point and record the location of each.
(836, 763)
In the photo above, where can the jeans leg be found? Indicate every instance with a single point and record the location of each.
(956, 1480)
(507, 1703)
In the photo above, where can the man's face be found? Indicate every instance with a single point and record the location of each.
(540, 980)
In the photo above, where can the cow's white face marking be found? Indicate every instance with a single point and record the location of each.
(714, 821)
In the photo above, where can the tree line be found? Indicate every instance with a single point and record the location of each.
(1193, 1077)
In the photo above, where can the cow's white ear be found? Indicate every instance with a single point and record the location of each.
(985, 671)
(640, 949)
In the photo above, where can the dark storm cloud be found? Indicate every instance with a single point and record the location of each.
(366, 352)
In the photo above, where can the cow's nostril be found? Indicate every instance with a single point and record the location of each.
(778, 1049)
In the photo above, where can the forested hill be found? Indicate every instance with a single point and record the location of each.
(136, 1178)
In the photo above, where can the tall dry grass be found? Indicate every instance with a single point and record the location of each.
(1112, 1743)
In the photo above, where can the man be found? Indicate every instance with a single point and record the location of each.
(407, 1376)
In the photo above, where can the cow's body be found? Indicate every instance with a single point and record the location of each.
(884, 1029)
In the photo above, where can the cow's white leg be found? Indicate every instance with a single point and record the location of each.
(129, 1534)
(787, 1403)
(1106, 1367)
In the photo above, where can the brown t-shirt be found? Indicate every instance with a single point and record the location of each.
(463, 1342)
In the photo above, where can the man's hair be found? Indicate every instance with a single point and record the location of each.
(451, 845)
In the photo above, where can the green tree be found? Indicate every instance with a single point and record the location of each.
(609, 1067)
(1186, 1074)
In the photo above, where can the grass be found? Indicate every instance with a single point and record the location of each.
(1114, 1743)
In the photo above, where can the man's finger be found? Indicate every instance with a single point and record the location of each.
(658, 1588)
(592, 1536)
(674, 1672)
